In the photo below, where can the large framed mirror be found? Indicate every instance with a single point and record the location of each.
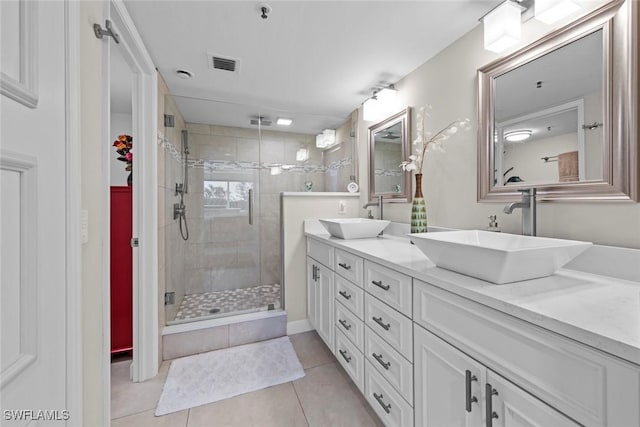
(389, 145)
(561, 114)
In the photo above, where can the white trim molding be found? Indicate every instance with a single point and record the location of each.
(299, 326)
(74, 386)
(23, 88)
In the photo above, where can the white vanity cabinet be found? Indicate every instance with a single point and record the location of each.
(548, 370)
(320, 299)
(454, 390)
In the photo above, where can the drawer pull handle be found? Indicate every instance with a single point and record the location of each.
(344, 355)
(490, 392)
(379, 284)
(469, 378)
(345, 295)
(378, 320)
(344, 324)
(381, 361)
(344, 265)
(386, 407)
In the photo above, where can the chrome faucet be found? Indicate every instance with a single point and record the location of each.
(378, 203)
(528, 206)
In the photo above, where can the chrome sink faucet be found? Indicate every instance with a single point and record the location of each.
(378, 203)
(528, 206)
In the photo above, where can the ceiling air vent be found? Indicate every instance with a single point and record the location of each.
(225, 64)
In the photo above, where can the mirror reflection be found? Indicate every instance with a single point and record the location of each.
(548, 117)
(388, 146)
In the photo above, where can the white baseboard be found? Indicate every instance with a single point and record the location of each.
(298, 326)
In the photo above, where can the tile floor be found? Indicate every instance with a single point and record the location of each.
(325, 396)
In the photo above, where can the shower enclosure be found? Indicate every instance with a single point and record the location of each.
(231, 261)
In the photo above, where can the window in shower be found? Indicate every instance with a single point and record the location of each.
(226, 198)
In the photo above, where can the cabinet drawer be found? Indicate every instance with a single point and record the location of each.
(397, 370)
(585, 384)
(390, 286)
(320, 252)
(388, 323)
(350, 358)
(349, 266)
(385, 401)
(350, 325)
(350, 295)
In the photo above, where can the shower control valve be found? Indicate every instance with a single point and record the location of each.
(178, 210)
(179, 189)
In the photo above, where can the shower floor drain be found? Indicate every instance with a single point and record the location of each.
(214, 311)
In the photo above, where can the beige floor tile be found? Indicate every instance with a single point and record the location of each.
(276, 406)
(329, 398)
(147, 419)
(128, 398)
(311, 350)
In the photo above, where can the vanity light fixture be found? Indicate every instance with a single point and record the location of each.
(502, 26)
(550, 11)
(381, 103)
(517, 135)
(302, 155)
(283, 121)
(326, 139)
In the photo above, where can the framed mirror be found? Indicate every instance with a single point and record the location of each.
(561, 114)
(389, 145)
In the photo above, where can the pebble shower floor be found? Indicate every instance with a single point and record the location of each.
(230, 301)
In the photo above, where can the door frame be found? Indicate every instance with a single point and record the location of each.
(145, 199)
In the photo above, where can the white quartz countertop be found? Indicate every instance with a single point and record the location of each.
(601, 312)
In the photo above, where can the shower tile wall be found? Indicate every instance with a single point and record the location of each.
(222, 253)
(172, 248)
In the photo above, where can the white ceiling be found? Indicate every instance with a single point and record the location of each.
(313, 61)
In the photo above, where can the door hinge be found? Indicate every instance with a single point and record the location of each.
(134, 242)
(169, 298)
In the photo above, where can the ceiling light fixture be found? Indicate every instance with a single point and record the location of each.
(326, 139)
(550, 11)
(502, 26)
(517, 135)
(284, 122)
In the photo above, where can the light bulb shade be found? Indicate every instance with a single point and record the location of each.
(502, 27)
(550, 11)
(302, 155)
(276, 170)
(386, 95)
(326, 138)
(370, 110)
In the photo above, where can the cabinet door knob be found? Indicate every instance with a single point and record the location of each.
(379, 284)
(344, 294)
(344, 265)
(344, 355)
(386, 407)
(344, 324)
(378, 320)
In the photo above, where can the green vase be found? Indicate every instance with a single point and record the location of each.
(418, 209)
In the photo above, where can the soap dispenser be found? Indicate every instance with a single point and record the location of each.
(493, 224)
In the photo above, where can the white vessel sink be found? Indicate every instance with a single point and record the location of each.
(354, 228)
(497, 257)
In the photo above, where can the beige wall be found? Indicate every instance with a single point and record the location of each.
(448, 83)
(94, 181)
(295, 209)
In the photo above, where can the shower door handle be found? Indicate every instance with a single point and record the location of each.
(250, 206)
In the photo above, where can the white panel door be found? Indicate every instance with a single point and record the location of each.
(33, 218)
(448, 384)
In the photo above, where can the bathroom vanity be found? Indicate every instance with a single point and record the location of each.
(431, 347)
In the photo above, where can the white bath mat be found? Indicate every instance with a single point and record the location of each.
(217, 375)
